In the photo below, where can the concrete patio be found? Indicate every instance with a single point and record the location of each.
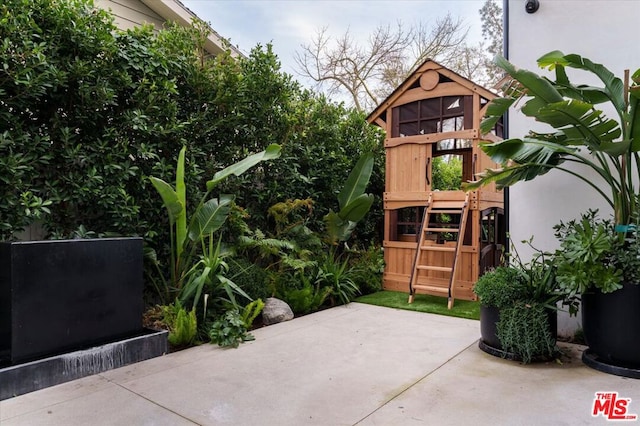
(352, 365)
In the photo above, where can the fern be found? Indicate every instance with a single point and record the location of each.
(183, 325)
(251, 311)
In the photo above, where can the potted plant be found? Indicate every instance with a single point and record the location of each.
(581, 134)
(518, 309)
(603, 269)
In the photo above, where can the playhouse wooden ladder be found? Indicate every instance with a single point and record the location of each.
(437, 205)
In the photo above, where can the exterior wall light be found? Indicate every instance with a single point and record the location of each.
(531, 6)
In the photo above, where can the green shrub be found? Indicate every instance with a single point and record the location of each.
(305, 297)
(501, 286)
(523, 329)
(251, 312)
(183, 325)
(336, 275)
(90, 111)
(250, 277)
(368, 267)
(229, 330)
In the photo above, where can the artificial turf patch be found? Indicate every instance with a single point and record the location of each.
(423, 303)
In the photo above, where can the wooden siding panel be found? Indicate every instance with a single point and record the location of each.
(130, 13)
(407, 165)
(430, 138)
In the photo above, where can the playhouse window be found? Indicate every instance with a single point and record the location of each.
(451, 146)
(406, 222)
(436, 115)
(409, 220)
(457, 155)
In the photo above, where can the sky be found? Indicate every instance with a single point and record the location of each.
(288, 24)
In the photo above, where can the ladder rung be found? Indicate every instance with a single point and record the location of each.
(438, 211)
(435, 268)
(447, 204)
(438, 248)
(431, 288)
(442, 230)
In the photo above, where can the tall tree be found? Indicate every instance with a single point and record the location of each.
(365, 74)
(492, 33)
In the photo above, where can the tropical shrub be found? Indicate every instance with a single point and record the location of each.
(336, 275)
(182, 324)
(368, 267)
(251, 278)
(89, 112)
(303, 292)
(229, 330)
(250, 312)
(189, 278)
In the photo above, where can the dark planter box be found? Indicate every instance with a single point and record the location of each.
(57, 296)
(31, 376)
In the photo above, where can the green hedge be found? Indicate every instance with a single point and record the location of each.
(88, 112)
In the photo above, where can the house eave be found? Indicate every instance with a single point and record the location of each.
(174, 10)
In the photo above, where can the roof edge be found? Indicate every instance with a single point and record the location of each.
(174, 10)
(428, 64)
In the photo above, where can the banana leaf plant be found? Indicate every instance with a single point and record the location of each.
(354, 203)
(188, 275)
(580, 131)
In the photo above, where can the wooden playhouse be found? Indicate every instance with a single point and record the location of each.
(434, 116)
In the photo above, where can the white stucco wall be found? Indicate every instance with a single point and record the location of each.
(605, 31)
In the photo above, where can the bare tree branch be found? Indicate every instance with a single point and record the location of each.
(364, 74)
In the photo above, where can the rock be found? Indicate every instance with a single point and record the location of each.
(275, 311)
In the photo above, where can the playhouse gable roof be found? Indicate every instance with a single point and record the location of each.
(431, 77)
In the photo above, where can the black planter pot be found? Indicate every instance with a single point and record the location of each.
(611, 324)
(489, 342)
(489, 317)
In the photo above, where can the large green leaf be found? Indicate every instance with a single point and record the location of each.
(536, 151)
(532, 106)
(181, 193)
(522, 160)
(230, 288)
(357, 181)
(579, 121)
(357, 208)
(210, 217)
(634, 112)
(539, 91)
(552, 60)
(532, 82)
(502, 151)
(193, 287)
(613, 85)
(169, 199)
(338, 229)
(272, 152)
(501, 176)
(496, 109)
